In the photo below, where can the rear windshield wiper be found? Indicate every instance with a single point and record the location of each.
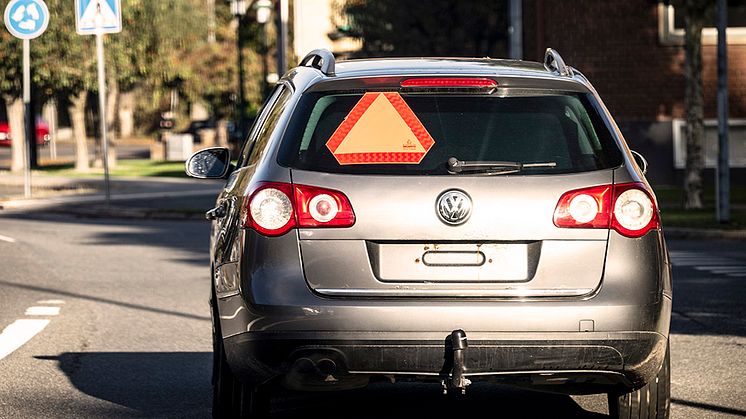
(456, 166)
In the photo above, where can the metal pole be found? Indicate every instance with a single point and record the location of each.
(27, 106)
(516, 29)
(241, 82)
(282, 39)
(723, 168)
(31, 131)
(52, 121)
(265, 62)
(102, 109)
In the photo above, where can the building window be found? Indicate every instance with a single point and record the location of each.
(736, 142)
(671, 24)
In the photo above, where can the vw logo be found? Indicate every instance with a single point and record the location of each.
(454, 207)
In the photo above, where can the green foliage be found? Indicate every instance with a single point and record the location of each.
(124, 168)
(163, 46)
(11, 73)
(64, 63)
(429, 28)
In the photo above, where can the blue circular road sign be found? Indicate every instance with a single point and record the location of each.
(26, 19)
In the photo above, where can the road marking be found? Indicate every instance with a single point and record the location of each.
(42, 311)
(7, 239)
(18, 333)
(721, 267)
(718, 265)
(23, 330)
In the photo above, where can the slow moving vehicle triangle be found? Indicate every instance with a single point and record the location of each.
(380, 129)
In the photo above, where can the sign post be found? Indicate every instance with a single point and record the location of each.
(26, 20)
(99, 17)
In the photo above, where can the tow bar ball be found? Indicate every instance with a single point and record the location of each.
(456, 379)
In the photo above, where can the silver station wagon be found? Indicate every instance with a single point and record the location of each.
(437, 220)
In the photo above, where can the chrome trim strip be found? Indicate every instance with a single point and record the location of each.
(234, 314)
(367, 292)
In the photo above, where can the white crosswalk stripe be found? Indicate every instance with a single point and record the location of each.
(718, 265)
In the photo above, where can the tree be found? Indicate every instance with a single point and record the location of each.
(163, 48)
(64, 67)
(693, 102)
(11, 76)
(143, 54)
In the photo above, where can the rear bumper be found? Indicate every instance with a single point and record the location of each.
(277, 320)
(590, 361)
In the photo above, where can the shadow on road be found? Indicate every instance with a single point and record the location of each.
(63, 293)
(178, 383)
(408, 400)
(152, 383)
(191, 237)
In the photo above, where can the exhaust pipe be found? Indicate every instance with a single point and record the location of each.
(320, 372)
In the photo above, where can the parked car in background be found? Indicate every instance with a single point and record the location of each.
(196, 126)
(42, 133)
(437, 220)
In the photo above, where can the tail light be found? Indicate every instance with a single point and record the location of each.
(274, 208)
(319, 207)
(446, 82)
(628, 208)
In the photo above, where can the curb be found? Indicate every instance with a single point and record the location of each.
(131, 213)
(46, 203)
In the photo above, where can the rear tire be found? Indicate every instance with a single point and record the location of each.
(231, 398)
(653, 401)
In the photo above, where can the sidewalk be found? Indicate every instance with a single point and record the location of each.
(168, 198)
(142, 197)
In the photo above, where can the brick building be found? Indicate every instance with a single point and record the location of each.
(632, 52)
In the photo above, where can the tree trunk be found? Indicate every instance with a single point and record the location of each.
(693, 103)
(126, 112)
(222, 132)
(18, 142)
(77, 117)
(50, 115)
(112, 103)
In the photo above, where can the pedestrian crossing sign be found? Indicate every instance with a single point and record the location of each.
(93, 17)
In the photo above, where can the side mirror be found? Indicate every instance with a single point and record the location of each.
(210, 163)
(640, 161)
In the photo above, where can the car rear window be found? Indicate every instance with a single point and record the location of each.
(564, 130)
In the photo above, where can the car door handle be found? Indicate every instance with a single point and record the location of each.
(218, 212)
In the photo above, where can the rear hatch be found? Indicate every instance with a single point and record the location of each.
(481, 226)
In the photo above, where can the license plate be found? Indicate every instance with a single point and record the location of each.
(452, 262)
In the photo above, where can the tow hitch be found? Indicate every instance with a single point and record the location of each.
(452, 374)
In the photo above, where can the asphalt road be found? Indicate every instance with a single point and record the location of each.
(129, 334)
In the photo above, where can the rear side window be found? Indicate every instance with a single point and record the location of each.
(564, 130)
(267, 120)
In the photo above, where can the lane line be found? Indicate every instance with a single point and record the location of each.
(18, 333)
(7, 239)
(42, 311)
(60, 302)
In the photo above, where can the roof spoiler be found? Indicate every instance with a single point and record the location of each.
(320, 59)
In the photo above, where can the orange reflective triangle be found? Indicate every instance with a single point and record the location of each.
(380, 129)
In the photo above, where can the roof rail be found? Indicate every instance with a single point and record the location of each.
(554, 62)
(321, 59)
